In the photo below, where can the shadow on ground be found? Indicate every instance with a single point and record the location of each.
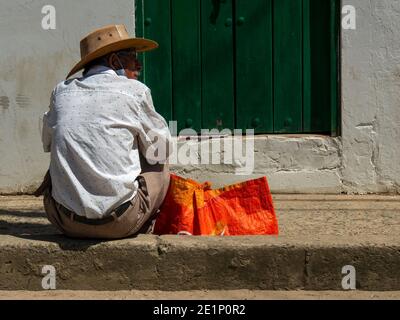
(33, 225)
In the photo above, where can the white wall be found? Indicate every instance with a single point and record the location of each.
(32, 61)
(371, 98)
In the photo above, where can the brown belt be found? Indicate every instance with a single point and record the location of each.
(96, 222)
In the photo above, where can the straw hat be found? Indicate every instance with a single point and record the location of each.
(106, 40)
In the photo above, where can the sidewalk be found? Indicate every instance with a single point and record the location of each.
(199, 295)
(319, 235)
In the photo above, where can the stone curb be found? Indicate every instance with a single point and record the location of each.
(174, 263)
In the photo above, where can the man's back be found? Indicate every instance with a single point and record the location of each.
(94, 128)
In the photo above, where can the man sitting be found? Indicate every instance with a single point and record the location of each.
(107, 177)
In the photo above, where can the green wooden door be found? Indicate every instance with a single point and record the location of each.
(270, 65)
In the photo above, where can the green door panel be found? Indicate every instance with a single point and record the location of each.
(217, 64)
(334, 75)
(186, 64)
(288, 66)
(317, 66)
(156, 25)
(139, 13)
(254, 76)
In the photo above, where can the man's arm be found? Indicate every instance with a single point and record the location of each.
(154, 136)
(47, 129)
(46, 140)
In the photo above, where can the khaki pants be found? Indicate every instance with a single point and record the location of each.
(139, 216)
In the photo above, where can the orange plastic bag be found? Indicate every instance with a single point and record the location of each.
(241, 209)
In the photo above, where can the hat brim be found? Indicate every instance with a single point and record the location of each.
(139, 44)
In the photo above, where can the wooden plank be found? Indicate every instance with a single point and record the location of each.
(254, 71)
(307, 63)
(139, 30)
(139, 18)
(186, 63)
(158, 63)
(317, 66)
(217, 64)
(334, 45)
(288, 66)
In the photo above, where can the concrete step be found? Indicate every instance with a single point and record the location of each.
(319, 236)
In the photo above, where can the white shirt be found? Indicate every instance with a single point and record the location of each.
(94, 130)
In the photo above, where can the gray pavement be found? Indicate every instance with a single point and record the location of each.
(299, 215)
(199, 295)
(319, 235)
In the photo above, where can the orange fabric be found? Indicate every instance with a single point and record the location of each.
(241, 209)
